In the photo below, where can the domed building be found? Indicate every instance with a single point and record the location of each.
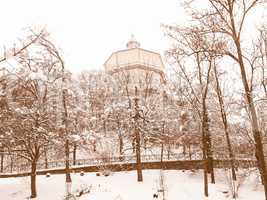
(136, 67)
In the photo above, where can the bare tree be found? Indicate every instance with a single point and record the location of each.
(262, 48)
(55, 54)
(224, 119)
(188, 46)
(17, 49)
(137, 138)
(226, 18)
(29, 125)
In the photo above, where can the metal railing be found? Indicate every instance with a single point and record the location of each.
(100, 161)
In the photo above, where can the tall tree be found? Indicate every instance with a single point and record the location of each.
(224, 119)
(188, 50)
(64, 131)
(137, 138)
(227, 19)
(30, 127)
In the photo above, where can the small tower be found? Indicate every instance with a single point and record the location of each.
(132, 43)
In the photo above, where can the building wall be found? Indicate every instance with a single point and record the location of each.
(146, 81)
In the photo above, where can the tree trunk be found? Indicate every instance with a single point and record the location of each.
(225, 123)
(207, 143)
(205, 120)
(120, 138)
(66, 133)
(74, 154)
(67, 148)
(161, 152)
(255, 125)
(206, 186)
(138, 156)
(162, 143)
(184, 150)
(137, 141)
(11, 163)
(189, 151)
(2, 162)
(169, 148)
(250, 104)
(205, 166)
(33, 179)
(133, 144)
(121, 145)
(46, 159)
(94, 146)
(67, 167)
(105, 128)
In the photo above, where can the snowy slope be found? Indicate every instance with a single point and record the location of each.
(123, 186)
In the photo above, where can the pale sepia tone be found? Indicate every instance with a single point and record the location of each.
(184, 118)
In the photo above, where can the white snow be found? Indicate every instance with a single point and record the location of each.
(37, 76)
(124, 186)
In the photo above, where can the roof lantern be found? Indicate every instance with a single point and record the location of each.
(133, 43)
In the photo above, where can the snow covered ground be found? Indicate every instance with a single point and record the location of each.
(123, 186)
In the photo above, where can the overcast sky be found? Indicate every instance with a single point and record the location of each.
(89, 31)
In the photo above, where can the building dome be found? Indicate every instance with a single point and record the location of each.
(134, 57)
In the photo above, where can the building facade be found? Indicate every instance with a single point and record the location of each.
(136, 67)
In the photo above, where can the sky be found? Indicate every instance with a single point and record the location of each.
(87, 31)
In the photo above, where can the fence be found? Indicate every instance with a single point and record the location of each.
(100, 161)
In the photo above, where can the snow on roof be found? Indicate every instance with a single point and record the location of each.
(134, 57)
